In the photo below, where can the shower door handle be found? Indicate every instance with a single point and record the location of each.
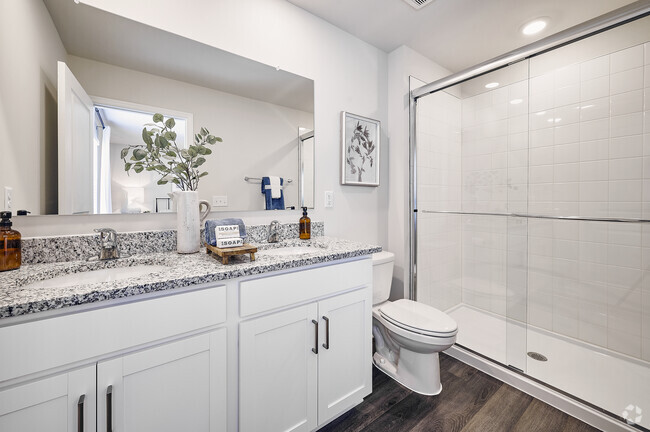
(315, 349)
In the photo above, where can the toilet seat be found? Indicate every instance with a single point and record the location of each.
(419, 318)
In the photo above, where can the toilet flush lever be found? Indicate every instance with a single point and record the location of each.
(326, 345)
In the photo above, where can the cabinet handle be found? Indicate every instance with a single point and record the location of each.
(326, 345)
(80, 413)
(109, 409)
(315, 349)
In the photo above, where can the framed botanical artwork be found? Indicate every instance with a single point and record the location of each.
(359, 150)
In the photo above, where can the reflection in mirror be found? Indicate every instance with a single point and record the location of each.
(119, 190)
(255, 108)
(306, 163)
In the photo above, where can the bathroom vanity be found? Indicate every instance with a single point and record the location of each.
(282, 343)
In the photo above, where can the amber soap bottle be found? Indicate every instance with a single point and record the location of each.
(305, 225)
(9, 244)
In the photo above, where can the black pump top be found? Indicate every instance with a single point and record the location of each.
(6, 219)
(304, 211)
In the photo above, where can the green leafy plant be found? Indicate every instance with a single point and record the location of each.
(161, 154)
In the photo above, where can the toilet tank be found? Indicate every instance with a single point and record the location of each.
(382, 276)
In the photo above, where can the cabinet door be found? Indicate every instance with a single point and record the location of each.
(174, 387)
(277, 372)
(63, 403)
(344, 360)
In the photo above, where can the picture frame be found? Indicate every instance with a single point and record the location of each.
(360, 143)
(163, 205)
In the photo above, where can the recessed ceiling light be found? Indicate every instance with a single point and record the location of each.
(534, 26)
(516, 101)
(492, 85)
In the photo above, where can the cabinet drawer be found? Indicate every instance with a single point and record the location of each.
(41, 345)
(273, 292)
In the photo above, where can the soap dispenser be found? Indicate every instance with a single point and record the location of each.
(9, 244)
(305, 225)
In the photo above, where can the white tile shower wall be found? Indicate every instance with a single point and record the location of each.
(590, 156)
(495, 150)
(439, 169)
(589, 280)
(439, 150)
(438, 260)
(484, 258)
(495, 153)
(587, 154)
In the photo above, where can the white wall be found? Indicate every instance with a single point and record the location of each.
(349, 75)
(28, 104)
(403, 63)
(259, 138)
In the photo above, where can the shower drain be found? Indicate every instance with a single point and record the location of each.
(537, 356)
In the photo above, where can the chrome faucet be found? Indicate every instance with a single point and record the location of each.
(108, 241)
(274, 233)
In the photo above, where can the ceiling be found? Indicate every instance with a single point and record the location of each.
(455, 34)
(104, 37)
(126, 125)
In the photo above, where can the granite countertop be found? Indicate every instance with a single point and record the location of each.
(17, 299)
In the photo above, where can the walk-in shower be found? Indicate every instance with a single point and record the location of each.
(531, 211)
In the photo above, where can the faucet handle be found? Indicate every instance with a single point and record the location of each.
(108, 240)
(106, 235)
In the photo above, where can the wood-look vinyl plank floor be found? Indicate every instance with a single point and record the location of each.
(470, 401)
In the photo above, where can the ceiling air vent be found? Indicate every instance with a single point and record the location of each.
(418, 4)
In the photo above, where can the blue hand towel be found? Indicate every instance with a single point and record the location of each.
(211, 224)
(272, 203)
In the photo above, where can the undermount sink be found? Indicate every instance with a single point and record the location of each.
(96, 276)
(289, 250)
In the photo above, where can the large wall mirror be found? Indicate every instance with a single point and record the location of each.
(61, 151)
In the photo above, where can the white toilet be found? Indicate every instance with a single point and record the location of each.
(408, 335)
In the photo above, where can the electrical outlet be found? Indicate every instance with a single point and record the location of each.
(8, 202)
(219, 201)
(329, 199)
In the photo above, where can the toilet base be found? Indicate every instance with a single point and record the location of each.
(426, 383)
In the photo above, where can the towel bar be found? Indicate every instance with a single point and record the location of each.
(260, 180)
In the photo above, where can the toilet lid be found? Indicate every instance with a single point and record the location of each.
(419, 317)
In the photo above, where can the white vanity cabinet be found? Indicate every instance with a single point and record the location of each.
(282, 351)
(302, 366)
(163, 358)
(61, 403)
(174, 387)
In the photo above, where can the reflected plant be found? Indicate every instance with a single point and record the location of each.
(360, 144)
(161, 154)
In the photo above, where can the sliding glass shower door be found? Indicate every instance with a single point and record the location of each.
(533, 216)
(472, 155)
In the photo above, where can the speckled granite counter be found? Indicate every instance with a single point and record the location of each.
(181, 271)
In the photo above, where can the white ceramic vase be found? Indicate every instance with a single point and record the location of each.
(189, 218)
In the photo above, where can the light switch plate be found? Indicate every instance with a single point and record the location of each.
(329, 199)
(219, 201)
(8, 200)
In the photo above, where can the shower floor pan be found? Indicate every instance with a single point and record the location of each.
(614, 382)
